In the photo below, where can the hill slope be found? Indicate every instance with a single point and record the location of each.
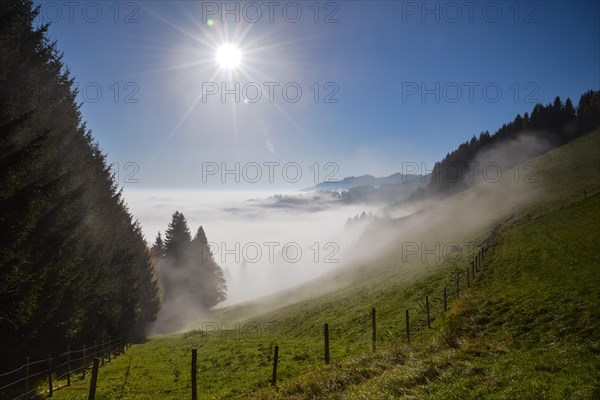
(528, 327)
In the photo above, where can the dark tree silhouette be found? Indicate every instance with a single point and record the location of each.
(212, 280)
(189, 274)
(588, 112)
(74, 266)
(177, 239)
(159, 247)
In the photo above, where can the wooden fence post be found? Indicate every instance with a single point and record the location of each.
(427, 306)
(457, 284)
(50, 386)
(275, 360)
(468, 281)
(326, 331)
(374, 327)
(445, 299)
(194, 374)
(407, 327)
(94, 380)
(27, 374)
(84, 363)
(68, 365)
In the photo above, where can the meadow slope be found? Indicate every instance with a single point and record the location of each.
(528, 327)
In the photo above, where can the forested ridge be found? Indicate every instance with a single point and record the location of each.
(553, 124)
(74, 265)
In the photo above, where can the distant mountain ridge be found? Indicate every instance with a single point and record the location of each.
(364, 180)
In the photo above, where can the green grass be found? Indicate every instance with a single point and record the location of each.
(528, 329)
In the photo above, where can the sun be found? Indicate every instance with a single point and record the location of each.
(229, 56)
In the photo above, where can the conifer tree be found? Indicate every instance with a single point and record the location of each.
(212, 281)
(74, 266)
(177, 239)
(159, 247)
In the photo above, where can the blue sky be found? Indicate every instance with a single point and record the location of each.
(376, 56)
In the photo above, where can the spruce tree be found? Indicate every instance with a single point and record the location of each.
(177, 240)
(212, 283)
(588, 112)
(159, 247)
(74, 267)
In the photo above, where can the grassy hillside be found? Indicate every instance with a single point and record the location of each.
(528, 327)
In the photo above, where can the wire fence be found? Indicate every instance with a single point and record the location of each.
(43, 377)
(59, 371)
(461, 280)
